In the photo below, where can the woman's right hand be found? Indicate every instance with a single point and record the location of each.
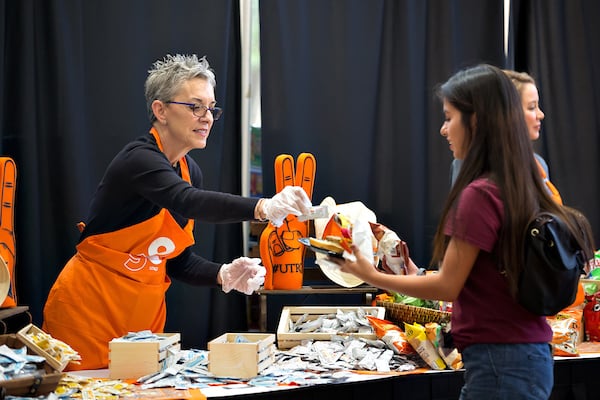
(291, 200)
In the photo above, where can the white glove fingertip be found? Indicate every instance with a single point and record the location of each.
(254, 284)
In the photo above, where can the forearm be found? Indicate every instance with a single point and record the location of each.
(423, 287)
(194, 270)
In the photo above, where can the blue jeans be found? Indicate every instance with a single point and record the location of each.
(508, 371)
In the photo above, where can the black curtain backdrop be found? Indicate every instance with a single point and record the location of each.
(72, 94)
(352, 82)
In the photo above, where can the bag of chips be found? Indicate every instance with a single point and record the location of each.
(415, 333)
(393, 336)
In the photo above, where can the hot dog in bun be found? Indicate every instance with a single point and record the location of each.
(329, 243)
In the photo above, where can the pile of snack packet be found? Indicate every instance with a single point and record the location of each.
(429, 341)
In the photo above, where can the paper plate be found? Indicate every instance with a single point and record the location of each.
(4, 280)
(331, 270)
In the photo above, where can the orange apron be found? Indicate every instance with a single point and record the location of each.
(115, 284)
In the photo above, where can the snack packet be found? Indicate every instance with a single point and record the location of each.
(392, 251)
(565, 333)
(435, 334)
(393, 336)
(591, 317)
(415, 333)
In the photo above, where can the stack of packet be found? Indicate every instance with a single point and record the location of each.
(427, 341)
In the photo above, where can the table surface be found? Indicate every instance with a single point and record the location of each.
(10, 311)
(427, 384)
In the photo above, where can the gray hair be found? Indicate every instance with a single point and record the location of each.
(167, 76)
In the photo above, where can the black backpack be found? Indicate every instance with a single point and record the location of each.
(554, 262)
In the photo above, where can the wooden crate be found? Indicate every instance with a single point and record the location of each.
(42, 384)
(229, 357)
(287, 339)
(132, 360)
(24, 336)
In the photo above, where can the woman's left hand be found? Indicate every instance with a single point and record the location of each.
(243, 274)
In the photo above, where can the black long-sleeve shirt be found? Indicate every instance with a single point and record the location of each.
(140, 181)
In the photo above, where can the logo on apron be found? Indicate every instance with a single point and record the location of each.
(158, 250)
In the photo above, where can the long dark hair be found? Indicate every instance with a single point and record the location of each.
(497, 146)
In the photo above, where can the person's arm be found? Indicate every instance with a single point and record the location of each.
(471, 230)
(156, 180)
(192, 269)
(150, 175)
(444, 285)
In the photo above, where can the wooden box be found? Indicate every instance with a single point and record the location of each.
(24, 336)
(41, 385)
(132, 360)
(287, 339)
(240, 355)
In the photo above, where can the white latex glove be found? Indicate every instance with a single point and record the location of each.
(291, 200)
(243, 274)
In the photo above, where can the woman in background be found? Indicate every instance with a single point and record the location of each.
(534, 115)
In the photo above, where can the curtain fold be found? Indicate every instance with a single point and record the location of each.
(352, 82)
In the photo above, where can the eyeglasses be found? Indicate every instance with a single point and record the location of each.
(200, 110)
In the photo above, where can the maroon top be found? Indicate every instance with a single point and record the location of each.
(484, 311)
